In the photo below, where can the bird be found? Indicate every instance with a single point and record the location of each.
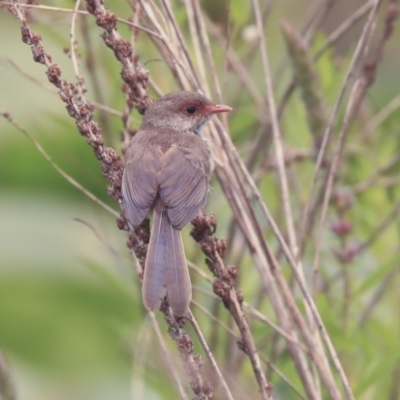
(167, 168)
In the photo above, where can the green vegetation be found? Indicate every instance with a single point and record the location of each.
(72, 325)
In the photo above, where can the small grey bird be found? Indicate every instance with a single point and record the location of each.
(167, 169)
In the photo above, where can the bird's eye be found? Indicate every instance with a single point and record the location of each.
(190, 109)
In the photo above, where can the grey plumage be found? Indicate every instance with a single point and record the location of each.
(167, 168)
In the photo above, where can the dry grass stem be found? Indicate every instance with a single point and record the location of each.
(353, 70)
(168, 359)
(345, 26)
(210, 356)
(279, 200)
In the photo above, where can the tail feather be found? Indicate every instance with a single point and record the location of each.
(179, 289)
(154, 279)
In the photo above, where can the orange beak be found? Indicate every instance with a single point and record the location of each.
(218, 108)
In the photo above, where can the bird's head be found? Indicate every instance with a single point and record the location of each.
(181, 111)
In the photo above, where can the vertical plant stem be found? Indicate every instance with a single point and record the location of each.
(210, 356)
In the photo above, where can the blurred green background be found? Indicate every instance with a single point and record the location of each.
(71, 321)
(70, 313)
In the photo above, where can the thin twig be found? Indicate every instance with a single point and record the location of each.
(278, 141)
(357, 93)
(352, 70)
(260, 317)
(383, 114)
(82, 12)
(272, 367)
(210, 356)
(254, 237)
(73, 44)
(181, 41)
(96, 83)
(378, 172)
(67, 177)
(345, 26)
(279, 153)
(196, 43)
(193, 364)
(382, 289)
(214, 318)
(378, 231)
(170, 365)
(51, 88)
(224, 288)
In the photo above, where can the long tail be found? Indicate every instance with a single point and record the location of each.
(166, 271)
(179, 289)
(154, 279)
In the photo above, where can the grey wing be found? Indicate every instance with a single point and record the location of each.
(183, 187)
(139, 185)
